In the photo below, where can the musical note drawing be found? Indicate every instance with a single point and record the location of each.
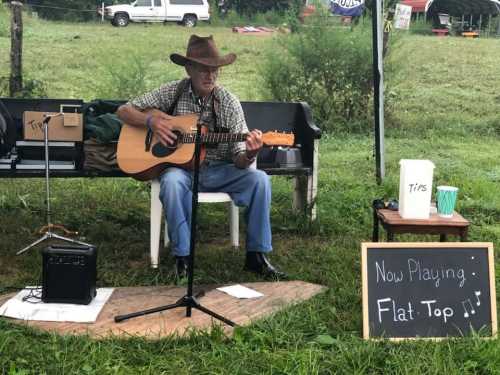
(478, 293)
(469, 303)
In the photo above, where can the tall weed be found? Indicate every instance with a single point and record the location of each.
(125, 79)
(329, 67)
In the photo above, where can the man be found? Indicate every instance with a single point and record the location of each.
(226, 166)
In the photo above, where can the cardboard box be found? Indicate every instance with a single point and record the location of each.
(62, 126)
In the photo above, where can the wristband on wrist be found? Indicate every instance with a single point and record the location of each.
(148, 122)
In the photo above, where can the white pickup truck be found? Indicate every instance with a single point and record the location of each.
(187, 12)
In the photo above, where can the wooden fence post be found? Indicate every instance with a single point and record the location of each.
(16, 48)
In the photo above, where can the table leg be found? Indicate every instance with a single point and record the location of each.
(442, 238)
(375, 226)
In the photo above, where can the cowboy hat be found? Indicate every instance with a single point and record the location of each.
(202, 50)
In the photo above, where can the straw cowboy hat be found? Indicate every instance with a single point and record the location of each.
(202, 50)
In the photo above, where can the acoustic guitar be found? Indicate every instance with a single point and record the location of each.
(141, 155)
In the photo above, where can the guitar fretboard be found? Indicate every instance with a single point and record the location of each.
(214, 137)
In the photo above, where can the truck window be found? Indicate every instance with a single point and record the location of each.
(186, 2)
(157, 3)
(143, 3)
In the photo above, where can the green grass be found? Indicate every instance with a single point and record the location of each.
(74, 60)
(444, 107)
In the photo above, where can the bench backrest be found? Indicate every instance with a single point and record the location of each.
(266, 116)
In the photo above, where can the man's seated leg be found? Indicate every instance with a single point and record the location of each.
(176, 196)
(250, 188)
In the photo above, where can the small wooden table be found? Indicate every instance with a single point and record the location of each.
(470, 34)
(393, 223)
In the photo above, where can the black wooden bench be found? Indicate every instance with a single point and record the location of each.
(289, 117)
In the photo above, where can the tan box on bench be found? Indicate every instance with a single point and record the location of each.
(62, 127)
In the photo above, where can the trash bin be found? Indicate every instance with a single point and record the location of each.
(415, 188)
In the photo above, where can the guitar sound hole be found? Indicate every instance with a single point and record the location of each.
(161, 151)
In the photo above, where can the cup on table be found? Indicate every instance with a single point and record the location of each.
(446, 199)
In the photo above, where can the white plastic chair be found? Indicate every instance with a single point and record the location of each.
(157, 214)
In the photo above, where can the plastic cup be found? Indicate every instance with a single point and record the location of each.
(446, 199)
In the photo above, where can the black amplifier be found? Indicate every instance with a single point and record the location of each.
(69, 274)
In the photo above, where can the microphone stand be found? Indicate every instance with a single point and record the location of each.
(189, 301)
(49, 234)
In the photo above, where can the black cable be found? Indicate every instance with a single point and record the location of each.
(34, 295)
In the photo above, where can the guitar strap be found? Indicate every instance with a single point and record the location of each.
(182, 86)
(215, 107)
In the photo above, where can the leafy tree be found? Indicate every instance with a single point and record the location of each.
(251, 7)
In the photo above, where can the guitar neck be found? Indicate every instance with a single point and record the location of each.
(214, 137)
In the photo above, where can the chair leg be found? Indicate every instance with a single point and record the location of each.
(234, 224)
(155, 223)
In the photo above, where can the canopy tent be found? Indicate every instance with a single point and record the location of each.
(460, 7)
(454, 7)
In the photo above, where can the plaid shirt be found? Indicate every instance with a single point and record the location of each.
(228, 117)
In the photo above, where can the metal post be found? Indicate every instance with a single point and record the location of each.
(16, 49)
(102, 12)
(378, 87)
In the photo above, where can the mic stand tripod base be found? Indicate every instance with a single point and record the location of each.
(49, 235)
(190, 302)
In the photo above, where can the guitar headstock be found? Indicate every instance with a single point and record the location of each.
(278, 139)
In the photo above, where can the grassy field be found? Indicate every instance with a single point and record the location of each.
(443, 95)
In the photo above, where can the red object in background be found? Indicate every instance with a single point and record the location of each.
(418, 6)
(306, 12)
(441, 32)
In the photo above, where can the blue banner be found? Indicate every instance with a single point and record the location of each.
(351, 8)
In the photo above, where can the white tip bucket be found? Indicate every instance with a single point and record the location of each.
(415, 188)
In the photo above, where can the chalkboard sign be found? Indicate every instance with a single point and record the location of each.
(428, 289)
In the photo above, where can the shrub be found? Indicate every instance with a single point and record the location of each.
(230, 15)
(124, 80)
(32, 88)
(328, 67)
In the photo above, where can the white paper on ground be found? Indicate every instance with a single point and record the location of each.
(240, 291)
(55, 312)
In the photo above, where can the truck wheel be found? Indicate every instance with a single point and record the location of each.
(189, 20)
(120, 20)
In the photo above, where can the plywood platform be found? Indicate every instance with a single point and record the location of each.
(277, 295)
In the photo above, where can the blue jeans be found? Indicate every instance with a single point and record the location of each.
(250, 188)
